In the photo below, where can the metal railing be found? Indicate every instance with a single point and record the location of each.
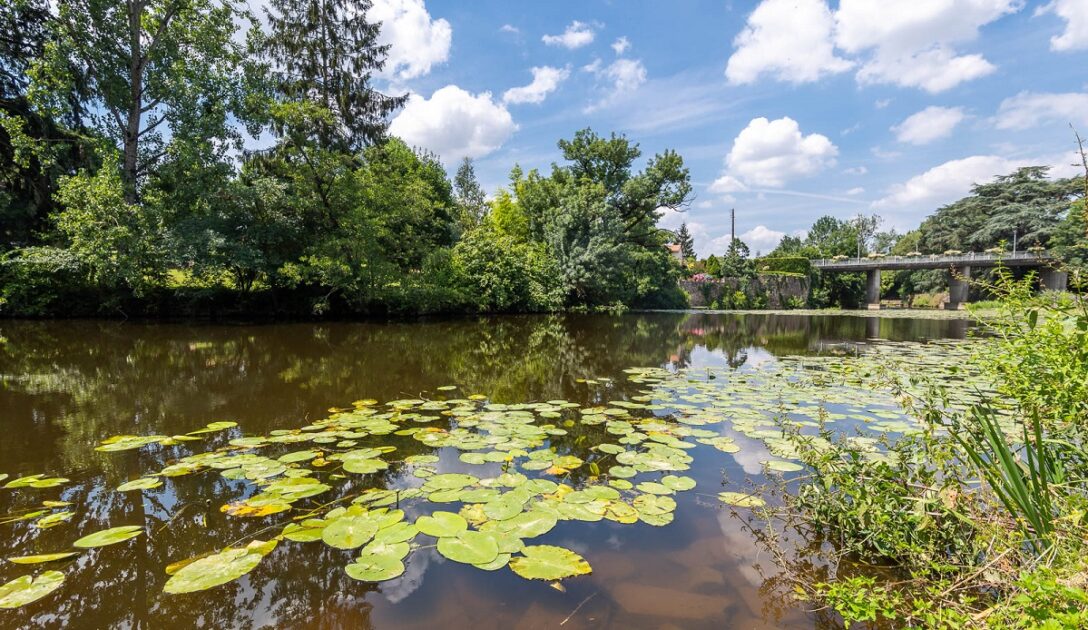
(937, 260)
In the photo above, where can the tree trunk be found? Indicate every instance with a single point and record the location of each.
(131, 132)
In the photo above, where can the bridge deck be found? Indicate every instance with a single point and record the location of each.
(936, 261)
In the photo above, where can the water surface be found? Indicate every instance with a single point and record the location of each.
(65, 386)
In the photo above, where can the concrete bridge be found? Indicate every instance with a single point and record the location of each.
(959, 270)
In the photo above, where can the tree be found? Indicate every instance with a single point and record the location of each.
(686, 242)
(736, 262)
(865, 228)
(136, 65)
(324, 52)
(471, 200)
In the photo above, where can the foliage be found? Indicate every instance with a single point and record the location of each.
(686, 242)
(786, 264)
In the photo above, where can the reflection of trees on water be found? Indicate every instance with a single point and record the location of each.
(65, 386)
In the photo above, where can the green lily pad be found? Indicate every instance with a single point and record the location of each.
(45, 557)
(26, 589)
(109, 536)
(375, 568)
(442, 524)
(469, 547)
(680, 484)
(349, 531)
(782, 466)
(214, 570)
(547, 562)
(54, 519)
(741, 499)
(144, 483)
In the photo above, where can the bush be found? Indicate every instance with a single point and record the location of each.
(785, 264)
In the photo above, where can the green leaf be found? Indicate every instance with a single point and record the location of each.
(469, 547)
(375, 568)
(54, 519)
(45, 557)
(546, 562)
(741, 499)
(350, 531)
(144, 483)
(109, 536)
(225, 566)
(26, 589)
(442, 524)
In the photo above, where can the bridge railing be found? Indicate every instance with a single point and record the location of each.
(935, 259)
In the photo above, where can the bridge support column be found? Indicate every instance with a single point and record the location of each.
(958, 280)
(872, 289)
(1053, 280)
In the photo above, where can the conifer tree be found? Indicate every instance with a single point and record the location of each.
(686, 242)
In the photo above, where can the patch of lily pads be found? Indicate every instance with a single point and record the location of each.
(343, 482)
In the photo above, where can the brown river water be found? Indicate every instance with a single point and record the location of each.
(65, 386)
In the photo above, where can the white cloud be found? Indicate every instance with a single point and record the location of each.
(932, 123)
(910, 43)
(727, 184)
(856, 170)
(856, 191)
(947, 182)
(622, 75)
(772, 152)
(760, 238)
(901, 42)
(416, 41)
(454, 123)
(621, 45)
(578, 34)
(509, 28)
(789, 39)
(545, 81)
(1030, 109)
(1075, 14)
(882, 103)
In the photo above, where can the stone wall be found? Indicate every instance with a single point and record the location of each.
(772, 291)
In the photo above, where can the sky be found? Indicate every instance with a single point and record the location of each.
(785, 110)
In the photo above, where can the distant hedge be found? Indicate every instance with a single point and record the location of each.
(784, 264)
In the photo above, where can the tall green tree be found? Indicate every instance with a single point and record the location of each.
(686, 242)
(140, 67)
(325, 52)
(471, 199)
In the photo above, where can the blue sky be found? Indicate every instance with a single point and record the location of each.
(784, 109)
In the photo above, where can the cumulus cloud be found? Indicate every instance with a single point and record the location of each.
(727, 184)
(856, 191)
(932, 123)
(509, 28)
(545, 81)
(576, 35)
(910, 44)
(947, 182)
(1030, 109)
(788, 39)
(856, 170)
(760, 238)
(1075, 14)
(621, 45)
(622, 77)
(454, 123)
(416, 41)
(773, 152)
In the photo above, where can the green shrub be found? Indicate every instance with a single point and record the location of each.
(784, 264)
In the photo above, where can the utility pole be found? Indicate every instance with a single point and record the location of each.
(1014, 240)
(733, 228)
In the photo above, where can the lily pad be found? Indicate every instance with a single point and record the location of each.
(350, 531)
(225, 566)
(109, 536)
(741, 499)
(144, 483)
(26, 589)
(375, 568)
(547, 562)
(45, 557)
(469, 547)
(442, 524)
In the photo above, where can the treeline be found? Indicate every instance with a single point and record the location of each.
(1024, 209)
(128, 185)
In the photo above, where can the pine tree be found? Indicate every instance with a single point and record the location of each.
(687, 243)
(324, 52)
(471, 198)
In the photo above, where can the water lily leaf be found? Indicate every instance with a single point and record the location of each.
(247, 509)
(451, 481)
(212, 427)
(782, 466)
(54, 519)
(364, 466)
(741, 499)
(499, 562)
(442, 524)
(469, 547)
(350, 531)
(306, 531)
(109, 536)
(653, 487)
(680, 484)
(26, 589)
(128, 442)
(399, 532)
(506, 506)
(36, 481)
(214, 570)
(299, 456)
(144, 483)
(530, 524)
(547, 562)
(375, 568)
(45, 557)
(396, 550)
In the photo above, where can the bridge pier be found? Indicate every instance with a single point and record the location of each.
(872, 289)
(959, 279)
(1053, 280)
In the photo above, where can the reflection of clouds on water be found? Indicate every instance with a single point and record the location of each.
(415, 566)
(758, 357)
(738, 544)
(752, 451)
